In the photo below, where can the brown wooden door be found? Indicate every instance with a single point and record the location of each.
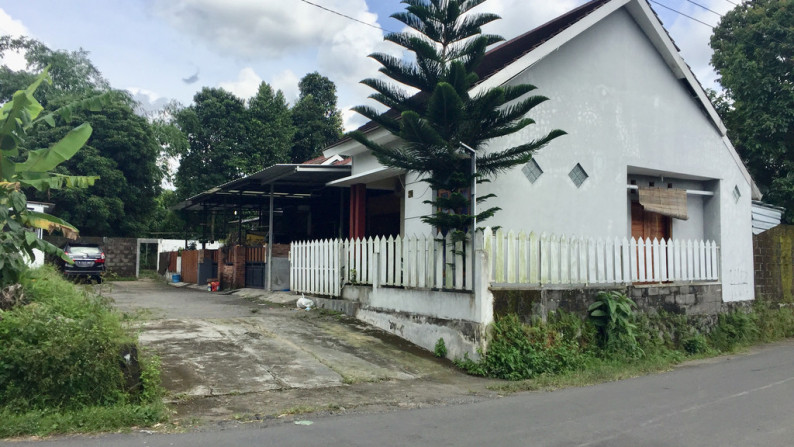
(648, 225)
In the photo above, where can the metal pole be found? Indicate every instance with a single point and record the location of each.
(240, 219)
(473, 209)
(269, 282)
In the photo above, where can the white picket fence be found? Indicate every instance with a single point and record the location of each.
(322, 267)
(521, 258)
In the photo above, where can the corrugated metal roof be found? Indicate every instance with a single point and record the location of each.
(765, 216)
(288, 180)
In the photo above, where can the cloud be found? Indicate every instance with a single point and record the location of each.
(520, 16)
(287, 82)
(245, 86)
(149, 102)
(10, 26)
(192, 79)
(255, 28)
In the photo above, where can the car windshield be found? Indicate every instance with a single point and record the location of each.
(85, 250)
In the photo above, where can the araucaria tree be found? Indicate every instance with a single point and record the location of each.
(434, 123)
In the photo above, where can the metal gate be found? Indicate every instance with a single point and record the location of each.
(255, 267)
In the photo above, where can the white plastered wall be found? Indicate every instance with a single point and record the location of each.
(623, 109)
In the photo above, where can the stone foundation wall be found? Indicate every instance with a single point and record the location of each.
(701, 302)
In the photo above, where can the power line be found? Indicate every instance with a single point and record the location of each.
(681, 13)
(733, 3)
(345, 16)
(705, 7)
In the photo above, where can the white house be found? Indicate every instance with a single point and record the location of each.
(636, 117)
(39, 207)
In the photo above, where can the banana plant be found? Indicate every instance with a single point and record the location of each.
(17, 117)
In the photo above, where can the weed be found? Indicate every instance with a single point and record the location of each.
(696, 344)
(734, 329)
(83, 420)
(613, 314)
(517, 351)
(440, 349)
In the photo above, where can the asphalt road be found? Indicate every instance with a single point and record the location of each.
(743, 400)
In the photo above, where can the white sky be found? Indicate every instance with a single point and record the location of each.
(155, 47)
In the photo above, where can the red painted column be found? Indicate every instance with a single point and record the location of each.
(358, 210)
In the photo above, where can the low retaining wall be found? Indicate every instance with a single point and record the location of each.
(689, 299)
(421, 316)
(701, 303)
(461, 337)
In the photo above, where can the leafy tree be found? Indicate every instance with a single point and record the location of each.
(173, 142)
(432, 125)
(17, 117)
(753, 51)
(271, 130)
(72, 72)
(216, 129)
(317, 121)
(228, 140)
(167, 223)
(123, 151)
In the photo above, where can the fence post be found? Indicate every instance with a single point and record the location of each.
(376, 261)
(482, 269)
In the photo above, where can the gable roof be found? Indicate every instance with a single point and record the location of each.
(506, 53)
(504, 62)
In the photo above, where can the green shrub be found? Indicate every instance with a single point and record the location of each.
(733, 329)
(573, 326)
(613, 314)
(518, 351)
(62, 349)
(440, 349)
(773, 321)
(695, 344)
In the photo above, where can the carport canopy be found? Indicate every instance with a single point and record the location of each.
(285, 182)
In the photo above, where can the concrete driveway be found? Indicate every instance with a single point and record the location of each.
(224, 355)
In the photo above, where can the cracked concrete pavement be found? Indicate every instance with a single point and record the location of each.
(255, 354)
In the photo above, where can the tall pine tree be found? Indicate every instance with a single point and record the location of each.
(433, 124)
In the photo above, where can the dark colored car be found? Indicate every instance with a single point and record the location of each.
(89, 261)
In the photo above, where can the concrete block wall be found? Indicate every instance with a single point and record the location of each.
(121, 254)
(773, 251)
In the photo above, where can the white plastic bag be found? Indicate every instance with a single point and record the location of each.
(304, 303)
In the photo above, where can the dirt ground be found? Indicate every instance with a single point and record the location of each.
(253, 357)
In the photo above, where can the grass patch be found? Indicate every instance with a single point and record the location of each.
(306, 409)
(594, 371)
(84, 420)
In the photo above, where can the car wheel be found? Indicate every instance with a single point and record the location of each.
(98, 279)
